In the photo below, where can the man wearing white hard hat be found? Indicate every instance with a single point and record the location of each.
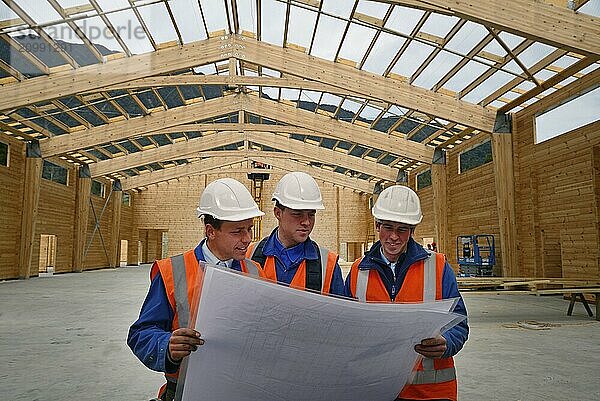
(288, 255)
(160, 338)
(398, 269)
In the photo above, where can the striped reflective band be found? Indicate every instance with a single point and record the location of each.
(181, 290)
(362, 281)
(429, 277)
(324, 252)
(429, 375)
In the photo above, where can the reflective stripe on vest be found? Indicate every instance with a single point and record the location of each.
(430, 375)
(429, 280)
(180, 290)
(250, 267)
(324, 252)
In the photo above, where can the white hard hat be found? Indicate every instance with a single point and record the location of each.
(229, 200)
(298, 191)
(400, 204)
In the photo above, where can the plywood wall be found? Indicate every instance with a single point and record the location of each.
(170, 206)
(56, 216)
(557, 200)
(12, 179)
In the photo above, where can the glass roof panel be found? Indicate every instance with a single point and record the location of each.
(372, 8)
(510, 40)
(369, 113)
(110, 5)
(290, 94)
(404, 19)
(439, 25)
(310, 96)
(466, 75)
(439, 66)
(272, 93)
(467, 37)
(96, 31)
(207, 69)
(413, 57)
(214, 15)
(327, 38)
(189, 20)
(273, 23)
(247, 15)
(535, 53)
(592, 7)
(40, 11)
(544, 75)
(386, 47)
(487, 87)
(157, 20)
(301, 25)
(131, 32)
(336, 7)
(330, 99)
(356, 42)
(565, 61)
(6, 13)
(495, 48)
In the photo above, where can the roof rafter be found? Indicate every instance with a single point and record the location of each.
(138, 126)
(163, 153)
(92, 77)
(374, 86)
(325, 155)
(556, 26)
(190, 169)
(336, 129)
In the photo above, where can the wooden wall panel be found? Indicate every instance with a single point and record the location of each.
(557, 219)
(12, 179)
(185, 231)
(56, 217)
(97, 252)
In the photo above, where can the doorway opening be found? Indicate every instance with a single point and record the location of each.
(47, 260)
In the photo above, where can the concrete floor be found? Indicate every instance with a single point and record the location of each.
(63, 338)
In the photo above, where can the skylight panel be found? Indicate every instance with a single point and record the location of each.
(397, 111)
(351, 105)
(300, 28)
(247, 15)
(592, 7)
(330, 99)
(374, 9)
(336, 7)
(512, 66)
(214, 15)
(131, 32)
(544, 75)
(111, 5)
(272, 93)
(535, 53)
(356, 42)
(466, 75)
(327, 38)
(208, 69)
(437, 69)
(467, 37)
(487, 87)
(383, 52)
(290, 94)
(98, 33)
(271, 73)
(158, 21)
(370, 113)
(510, 40)
(273, 22)
(189, 20)
(404, 19)
(565, 61)
(310, 96)
(40, 11)
(439, 25)
(412, 58)
(590, 68)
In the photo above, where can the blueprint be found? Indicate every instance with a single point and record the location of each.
(265, 341)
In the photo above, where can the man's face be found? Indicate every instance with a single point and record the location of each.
(231, 240)
(394, 238)
(294, 225)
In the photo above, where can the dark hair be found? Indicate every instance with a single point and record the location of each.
(213, 221)
(279, 205)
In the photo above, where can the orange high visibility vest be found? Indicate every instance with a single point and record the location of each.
(328, 262)
(434, 378)
(182, 278)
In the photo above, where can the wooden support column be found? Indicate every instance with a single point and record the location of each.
(337, 220)
(82, 210)
(596, 187)
(440, 201)
(115, 229)
(502, 151)
(31, 196)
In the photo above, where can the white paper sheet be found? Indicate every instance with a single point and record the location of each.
(269, 342)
